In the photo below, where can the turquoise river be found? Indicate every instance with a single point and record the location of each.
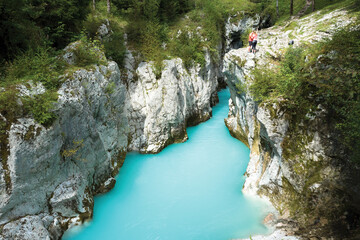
(189, 191)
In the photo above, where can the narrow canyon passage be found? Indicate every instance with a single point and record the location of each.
(188, 191)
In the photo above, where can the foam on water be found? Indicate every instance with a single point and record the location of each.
(188, 191)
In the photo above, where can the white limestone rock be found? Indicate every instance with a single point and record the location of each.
(26, 228)
(160, 109)
(263, 128)
(63, 165)
(276, 235)
(34, 89)
(67, 197)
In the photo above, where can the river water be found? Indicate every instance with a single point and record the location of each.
(189, 191)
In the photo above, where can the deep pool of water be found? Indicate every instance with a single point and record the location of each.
(189, 191)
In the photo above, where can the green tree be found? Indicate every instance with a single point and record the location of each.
(123, 4)
(59, 19)
(17, 31)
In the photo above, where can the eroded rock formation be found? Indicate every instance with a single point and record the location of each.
(300, 168)
(51, 174)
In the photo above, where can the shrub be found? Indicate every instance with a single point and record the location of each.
(92, 24)
(188, 48)
(40, 106)
(241, 87)
(329, 77)
(89, 52)
(114, 45)
(40, 65)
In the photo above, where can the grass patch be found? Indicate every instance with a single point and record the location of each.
(40, 65)
(328, 77)
(40, 106)
(292, 26)
(88, 52)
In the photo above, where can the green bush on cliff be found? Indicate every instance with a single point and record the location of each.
(88, 52)
(326, 75)
(114, 45)
(41, 106)
(40, 65)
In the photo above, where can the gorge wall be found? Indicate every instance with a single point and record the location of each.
(300, 168)
(50, 175)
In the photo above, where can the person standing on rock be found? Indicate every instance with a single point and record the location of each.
(251, 37)
(254, 41)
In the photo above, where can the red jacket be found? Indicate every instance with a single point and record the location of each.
(255, 36)
(251, 36)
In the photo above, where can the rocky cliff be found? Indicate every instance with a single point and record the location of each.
(160, 109)
(49, 175)
(298, 167)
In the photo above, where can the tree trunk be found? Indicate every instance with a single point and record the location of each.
(94, 5)
(313, 5)
(291, 7)
(108, 6)
(277, 8)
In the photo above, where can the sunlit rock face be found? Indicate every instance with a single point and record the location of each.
(55, 170)
(50, 174)
(160, 107)
(300, 168)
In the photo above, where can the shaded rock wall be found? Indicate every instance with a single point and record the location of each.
(55, 171)
(48, 181)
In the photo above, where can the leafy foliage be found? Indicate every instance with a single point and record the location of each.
(27, 24)
(113, 42)
(159, 29)
(41, 106)
(325, 75)
(39, 65)
(189, 49)
(114, 47)
(88, 52)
